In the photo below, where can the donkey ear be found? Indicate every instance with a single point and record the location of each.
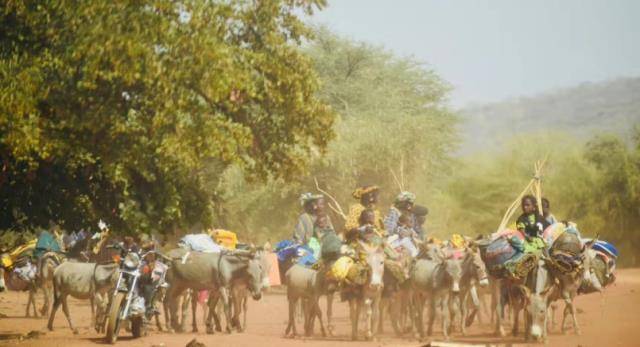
(547, 291)
(590, 243)
(525, 291)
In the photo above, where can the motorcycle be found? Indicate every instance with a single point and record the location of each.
(126, 302)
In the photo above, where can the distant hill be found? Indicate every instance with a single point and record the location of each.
(582, 111)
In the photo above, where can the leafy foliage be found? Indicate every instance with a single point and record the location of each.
(391, 110)
(120, 110)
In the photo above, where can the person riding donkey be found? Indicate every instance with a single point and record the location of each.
(546, 212)
(531, 224)
(313, 206)
(367, 197)
(403, 204)
(367, 234)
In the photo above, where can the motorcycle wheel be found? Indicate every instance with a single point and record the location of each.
(113, 325)
(136, 326)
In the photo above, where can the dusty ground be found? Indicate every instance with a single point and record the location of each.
(613, 321)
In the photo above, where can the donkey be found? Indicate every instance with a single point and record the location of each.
(396, 297)
(474, 272)
(10, 280)
(569, 281)
(82, 281)
(438, 279)
(44, 279)
(367, 294)
(306, 285)
(214, 272)
(239, 292)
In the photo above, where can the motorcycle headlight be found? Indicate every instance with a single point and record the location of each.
(131, 261)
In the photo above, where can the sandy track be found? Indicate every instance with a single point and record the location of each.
(609, 321)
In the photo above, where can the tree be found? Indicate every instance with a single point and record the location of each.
(392, 110)
(126, 111)
(616, 194)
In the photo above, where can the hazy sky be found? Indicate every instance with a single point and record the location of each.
(493, 49)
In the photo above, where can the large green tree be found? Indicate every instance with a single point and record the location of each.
(129, 110)
(392, 113)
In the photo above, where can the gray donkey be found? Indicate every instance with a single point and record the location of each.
(306, 285)
(367, 294)
(569, 280)
(239, 294)
(214, 272)
(437, 279)
(82, 281)
(474, 273)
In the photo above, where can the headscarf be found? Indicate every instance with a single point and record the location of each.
(308, 197)
(405, 197)
(361, 191)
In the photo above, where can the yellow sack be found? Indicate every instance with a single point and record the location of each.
(340, 268)
(9, 259)
(457, 241)
(225, 238)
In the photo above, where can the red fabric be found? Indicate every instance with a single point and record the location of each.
(203, 296)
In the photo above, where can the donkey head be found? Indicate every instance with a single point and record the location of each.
(479, 269)
(375, 260)
(537, 306)
(453, 272)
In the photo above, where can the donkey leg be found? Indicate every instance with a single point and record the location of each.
(383, 305)
(237, 310)
(291, 326)
(516, 316)
(330, 313)
(194, 310)
(574, 317)
(224, 295)
(418, 313)
(29, 299)
(65, 309)
(432, 315)
(396, 314)
(446, 317)
(565, 313)
(56, 304)
(464, 312)
(354, 315)
(245, 301)
(211, 313)
(319, 315)
(368, 309)
(496, 302)
(172, 298)
(46, 290)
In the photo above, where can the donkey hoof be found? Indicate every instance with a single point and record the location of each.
(75, 332)
(210, 331)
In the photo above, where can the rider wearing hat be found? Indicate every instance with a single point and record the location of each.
(403, 204)
(367, 197)
(313, 206)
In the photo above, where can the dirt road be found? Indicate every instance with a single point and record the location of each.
(613, 320)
